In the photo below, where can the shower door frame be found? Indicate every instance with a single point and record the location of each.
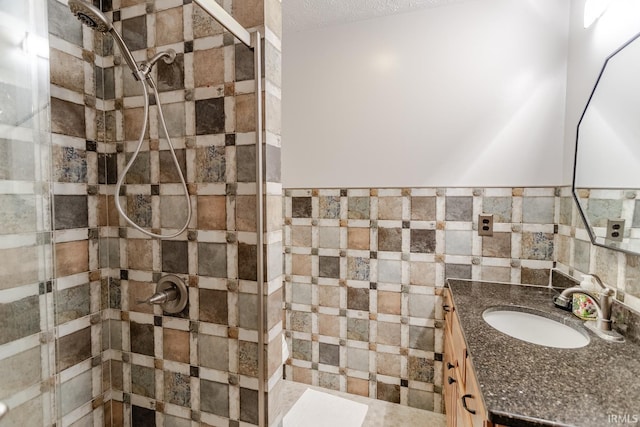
(253, 41)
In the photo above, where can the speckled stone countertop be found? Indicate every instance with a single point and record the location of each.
(525, 384)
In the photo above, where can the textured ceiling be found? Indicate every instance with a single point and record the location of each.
(303, 15)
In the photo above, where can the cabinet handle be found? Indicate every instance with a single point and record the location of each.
(464, 404)
(446, 308)
(450, 366)
(451, 380)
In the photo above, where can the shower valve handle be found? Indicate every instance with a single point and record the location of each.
(161, 297)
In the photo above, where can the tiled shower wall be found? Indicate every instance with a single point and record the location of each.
(71, 293)
(198, 367)
(365, 269)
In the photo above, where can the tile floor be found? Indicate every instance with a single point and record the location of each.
(380, 413)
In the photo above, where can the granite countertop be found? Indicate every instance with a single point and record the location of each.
(525, 384)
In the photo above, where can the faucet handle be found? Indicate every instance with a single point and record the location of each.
(598, 280)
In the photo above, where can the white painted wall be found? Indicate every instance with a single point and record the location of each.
(471, 94)
(588, 48)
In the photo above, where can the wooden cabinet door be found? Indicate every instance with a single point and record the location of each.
(450, 386)
(474, 401)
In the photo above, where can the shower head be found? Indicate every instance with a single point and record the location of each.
(93, 18)
(90, 15)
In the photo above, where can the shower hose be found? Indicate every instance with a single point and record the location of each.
(142, 78)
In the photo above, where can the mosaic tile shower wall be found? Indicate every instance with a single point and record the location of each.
(198, 367)
(364, 270)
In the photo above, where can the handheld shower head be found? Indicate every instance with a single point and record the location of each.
(90, 15)
(93, 18)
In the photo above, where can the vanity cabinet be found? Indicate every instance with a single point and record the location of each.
(463, 402)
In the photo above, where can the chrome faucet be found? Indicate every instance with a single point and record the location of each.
(603, 303)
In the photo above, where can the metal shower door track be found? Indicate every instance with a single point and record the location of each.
(253, 41)
(226, 20)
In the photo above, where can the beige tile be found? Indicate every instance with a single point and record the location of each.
(169, 26)
(72, 258)
(358, 386)
(329, 296)
(19, 371)
(213, 352)
(423, 208)
(301, 236)
(388, 333)
(329, 325)
(498, 245)
(358, 238)
(274, 308)
(302, 375)
(212, 212)
(389, 302)
(19, 266)
(274, 213)
(388, 364)
(245, 113)
(301, 265)
(496, 274)
(275, 355)
(175, 345)
(140, 291)
(274, 17)
(422, 273)
(140, 254)
(66, 71)
(208, 67)
(390, 208)
(249, 13)
(133, 123)
(246, 213)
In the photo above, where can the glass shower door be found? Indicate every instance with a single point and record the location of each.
(26, 306)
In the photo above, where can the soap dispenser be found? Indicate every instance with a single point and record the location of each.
(583, 305)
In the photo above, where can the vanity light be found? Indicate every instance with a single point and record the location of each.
(594, 9)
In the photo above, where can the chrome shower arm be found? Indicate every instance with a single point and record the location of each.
(168, 56)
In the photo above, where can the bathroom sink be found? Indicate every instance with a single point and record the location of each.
(526, 325)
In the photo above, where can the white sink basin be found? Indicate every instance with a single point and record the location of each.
(535, 329)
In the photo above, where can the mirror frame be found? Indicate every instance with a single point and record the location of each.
(576, 198)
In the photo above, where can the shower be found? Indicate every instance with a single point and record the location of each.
(93, 18)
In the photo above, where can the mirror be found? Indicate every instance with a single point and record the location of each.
(606, 180)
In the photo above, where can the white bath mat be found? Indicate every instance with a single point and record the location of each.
(317, 409)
